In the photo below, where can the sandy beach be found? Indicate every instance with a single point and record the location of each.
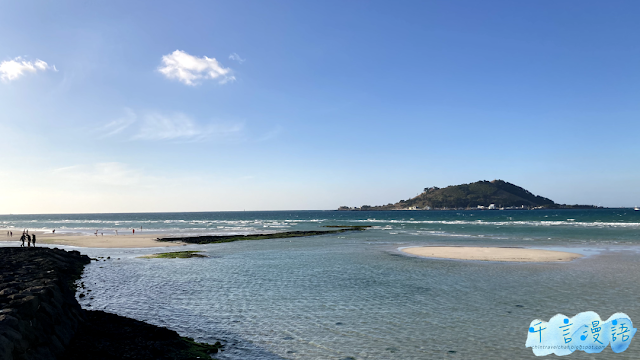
(491, 254)
(143, 240)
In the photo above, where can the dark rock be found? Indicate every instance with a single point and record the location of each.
(108, 336)
(36, 293)
(6, 348)
(27, 306)
(40, 318)
(8, 320)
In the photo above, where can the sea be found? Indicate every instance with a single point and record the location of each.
(355, 295)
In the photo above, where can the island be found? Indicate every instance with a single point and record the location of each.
(484, 195)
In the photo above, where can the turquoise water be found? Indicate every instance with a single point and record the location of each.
(354, 295)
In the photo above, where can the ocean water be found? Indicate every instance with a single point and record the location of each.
(557, 226)
(354, 295)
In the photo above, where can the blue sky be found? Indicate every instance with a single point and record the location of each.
(118, 106)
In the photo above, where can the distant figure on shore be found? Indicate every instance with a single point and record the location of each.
(134, 231)
(54, 231)
(28, 240)
(11, 232)
(116, 232)
(96, 232)
(22, 238)
(33, 239)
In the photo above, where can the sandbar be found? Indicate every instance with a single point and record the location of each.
(491, 253)
(142, 240)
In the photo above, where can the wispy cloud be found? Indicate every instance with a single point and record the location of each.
(191, 69)
(156, 126)
(110, 173)
(237, 58)
(117, 126)
(175, 126)
(271, 134)
(13, 69)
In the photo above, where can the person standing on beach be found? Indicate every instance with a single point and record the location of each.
(22, 239)
(116, 232)
(54, 231)
(28, 240)
(33, 239)
(11, 232)
(134, 231)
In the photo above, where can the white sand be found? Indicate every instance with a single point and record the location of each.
(491, 254)
(142, 240)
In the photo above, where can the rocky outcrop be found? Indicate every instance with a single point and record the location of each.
(106, 336)
(39, 314)
(40, 318)
(214, 239)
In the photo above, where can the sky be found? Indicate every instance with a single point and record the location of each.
(157, 106)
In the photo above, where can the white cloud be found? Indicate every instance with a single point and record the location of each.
(158, 126)
(13, 69)
(237, 58)
(191, 69)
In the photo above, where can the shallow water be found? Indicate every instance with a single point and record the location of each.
(335, 298)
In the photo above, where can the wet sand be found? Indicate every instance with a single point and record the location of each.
(491, 254)
(142, 240)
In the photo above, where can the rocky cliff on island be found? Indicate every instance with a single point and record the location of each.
(40, 318)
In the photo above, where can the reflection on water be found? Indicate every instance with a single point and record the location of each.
(356, 297)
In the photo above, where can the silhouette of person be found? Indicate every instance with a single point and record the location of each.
(33, 239)
(134, 231)
(22, 239)
(28, 240)
(54, 231)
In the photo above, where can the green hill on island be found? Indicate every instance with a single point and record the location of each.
(496, 194)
